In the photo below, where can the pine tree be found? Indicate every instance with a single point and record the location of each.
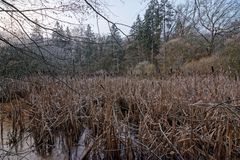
(167, 12)
(137, 30)
(89, 44)
(58, 36)
(116, 46)
(68, 36)
(37, 34)
(138, 40)
(152, 28)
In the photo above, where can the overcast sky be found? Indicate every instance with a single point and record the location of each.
(122, 11)
(119, 11)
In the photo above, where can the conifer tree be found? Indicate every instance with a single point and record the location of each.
(37, 34)
(58, 36)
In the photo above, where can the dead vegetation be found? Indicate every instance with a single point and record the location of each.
(194, 117)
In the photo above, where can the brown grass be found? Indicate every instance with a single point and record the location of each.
(194, 117)
(204, 64)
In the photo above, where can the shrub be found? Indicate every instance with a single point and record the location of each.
(232, 50)
(205, 64)
(144, 68)
(174, 54)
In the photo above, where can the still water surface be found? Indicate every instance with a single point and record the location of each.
(24, 149)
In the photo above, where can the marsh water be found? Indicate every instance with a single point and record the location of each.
(24, 147)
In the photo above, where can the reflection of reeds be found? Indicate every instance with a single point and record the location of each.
(180, 118)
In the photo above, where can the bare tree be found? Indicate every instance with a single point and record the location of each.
(183, 19)
(18, 19)
(212, 18)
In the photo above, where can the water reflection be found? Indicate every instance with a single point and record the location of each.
(25, 148)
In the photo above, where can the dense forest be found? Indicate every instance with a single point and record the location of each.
(190, 37)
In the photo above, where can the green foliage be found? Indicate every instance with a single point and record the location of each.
(88, 45)
(155, 28)
(160, 40)
(100, 52)
(59, 36)
(137, 29)
(15, 63)
(152, 28)
(116, 45)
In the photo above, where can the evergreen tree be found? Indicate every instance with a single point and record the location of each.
(68, 36)
(89, 44)
(136, 30)
(116, 46)
(69, 41)
(37, 34)
(58, 36)
(152, 28)
(167, 12)
(137, 41)
(77, 45)
(78, 52)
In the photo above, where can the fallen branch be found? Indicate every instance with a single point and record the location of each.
(170, 143)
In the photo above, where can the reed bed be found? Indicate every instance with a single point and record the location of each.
(192, 117)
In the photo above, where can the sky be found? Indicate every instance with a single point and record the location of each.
(121, 11)
(117, 11)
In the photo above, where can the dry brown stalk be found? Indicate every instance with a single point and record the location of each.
(181, 117)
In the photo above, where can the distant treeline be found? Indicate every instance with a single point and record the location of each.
(189, 37)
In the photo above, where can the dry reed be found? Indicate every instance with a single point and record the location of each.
(193, 117)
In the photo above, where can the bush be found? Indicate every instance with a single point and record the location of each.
(175, 53)
(232, 50)
(144, 68)
(204, 65)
